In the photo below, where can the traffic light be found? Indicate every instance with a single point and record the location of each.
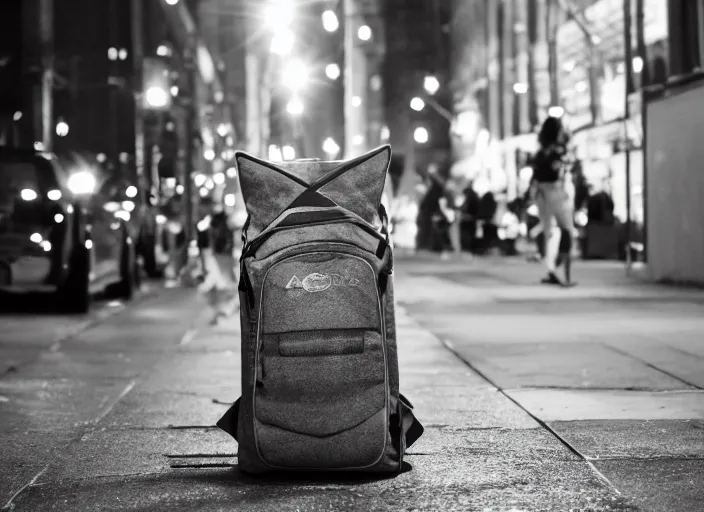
(157, 85)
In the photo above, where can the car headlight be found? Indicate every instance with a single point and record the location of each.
(81, 183)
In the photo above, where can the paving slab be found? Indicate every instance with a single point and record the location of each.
(572, 405)
(658, 485)
(571, 365)
(634, 439)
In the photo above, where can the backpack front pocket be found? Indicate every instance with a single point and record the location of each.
(320, 397)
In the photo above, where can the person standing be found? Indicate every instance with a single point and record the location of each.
(554, 196)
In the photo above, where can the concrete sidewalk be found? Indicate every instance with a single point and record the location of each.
(614, 367)
(157, 449)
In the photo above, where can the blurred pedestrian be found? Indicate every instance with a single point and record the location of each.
(215, 285)
(554, 196)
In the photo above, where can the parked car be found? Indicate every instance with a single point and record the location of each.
(143, 215)
(59, 233)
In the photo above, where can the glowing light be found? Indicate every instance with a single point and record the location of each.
(282, 42)
(330, 146)
(46, 245)
(231, 172)
(199, 180)
(82, 182)
(121, 214)
(364, 33)
(417, 104)
(556, 111)
(295, 75)
(431, 84)
(330, 21)
(332, 71)
(637, 64)
(161, 219)
(58, 218)
(28, 194)
(219, 178)
(520, 88)
(54, 195)
(385, 133)
(358, 140)
(17, 116)
(174, 90)
(157, 97)
(420, 135)
(279, 14)
(89, 244)
(131, 191)
(209, 154)
(36, 238)
(275, 153)
(230, 200)
(128, 206)
(295, 107)
(356, 101)
(112, 53)
(288, 153)
(162, 50)
(172, 2)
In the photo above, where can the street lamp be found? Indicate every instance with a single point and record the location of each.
(330, 21)
(417, 104)
(172, 2)
(431, 84)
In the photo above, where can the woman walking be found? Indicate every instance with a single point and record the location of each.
(554, 196)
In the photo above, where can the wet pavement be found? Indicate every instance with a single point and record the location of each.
(533, 398)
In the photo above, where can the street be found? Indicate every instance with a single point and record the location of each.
(534, 398)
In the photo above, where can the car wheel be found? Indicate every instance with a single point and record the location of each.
(73, 295)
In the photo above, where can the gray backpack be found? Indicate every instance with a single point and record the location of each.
(319, 364)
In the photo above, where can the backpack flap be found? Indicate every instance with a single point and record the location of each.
(268, 190)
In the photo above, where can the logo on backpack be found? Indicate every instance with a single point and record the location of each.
(320, 282)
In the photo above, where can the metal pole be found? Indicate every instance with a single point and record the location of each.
(627, 22)
(47, 52)
(348, 43)
(551, 31)
(643, 119)
(137, 73)
(113, 125)
(190, 142)
(38, 36)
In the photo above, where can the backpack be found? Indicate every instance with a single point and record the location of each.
(549, 164)
(320, 379)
